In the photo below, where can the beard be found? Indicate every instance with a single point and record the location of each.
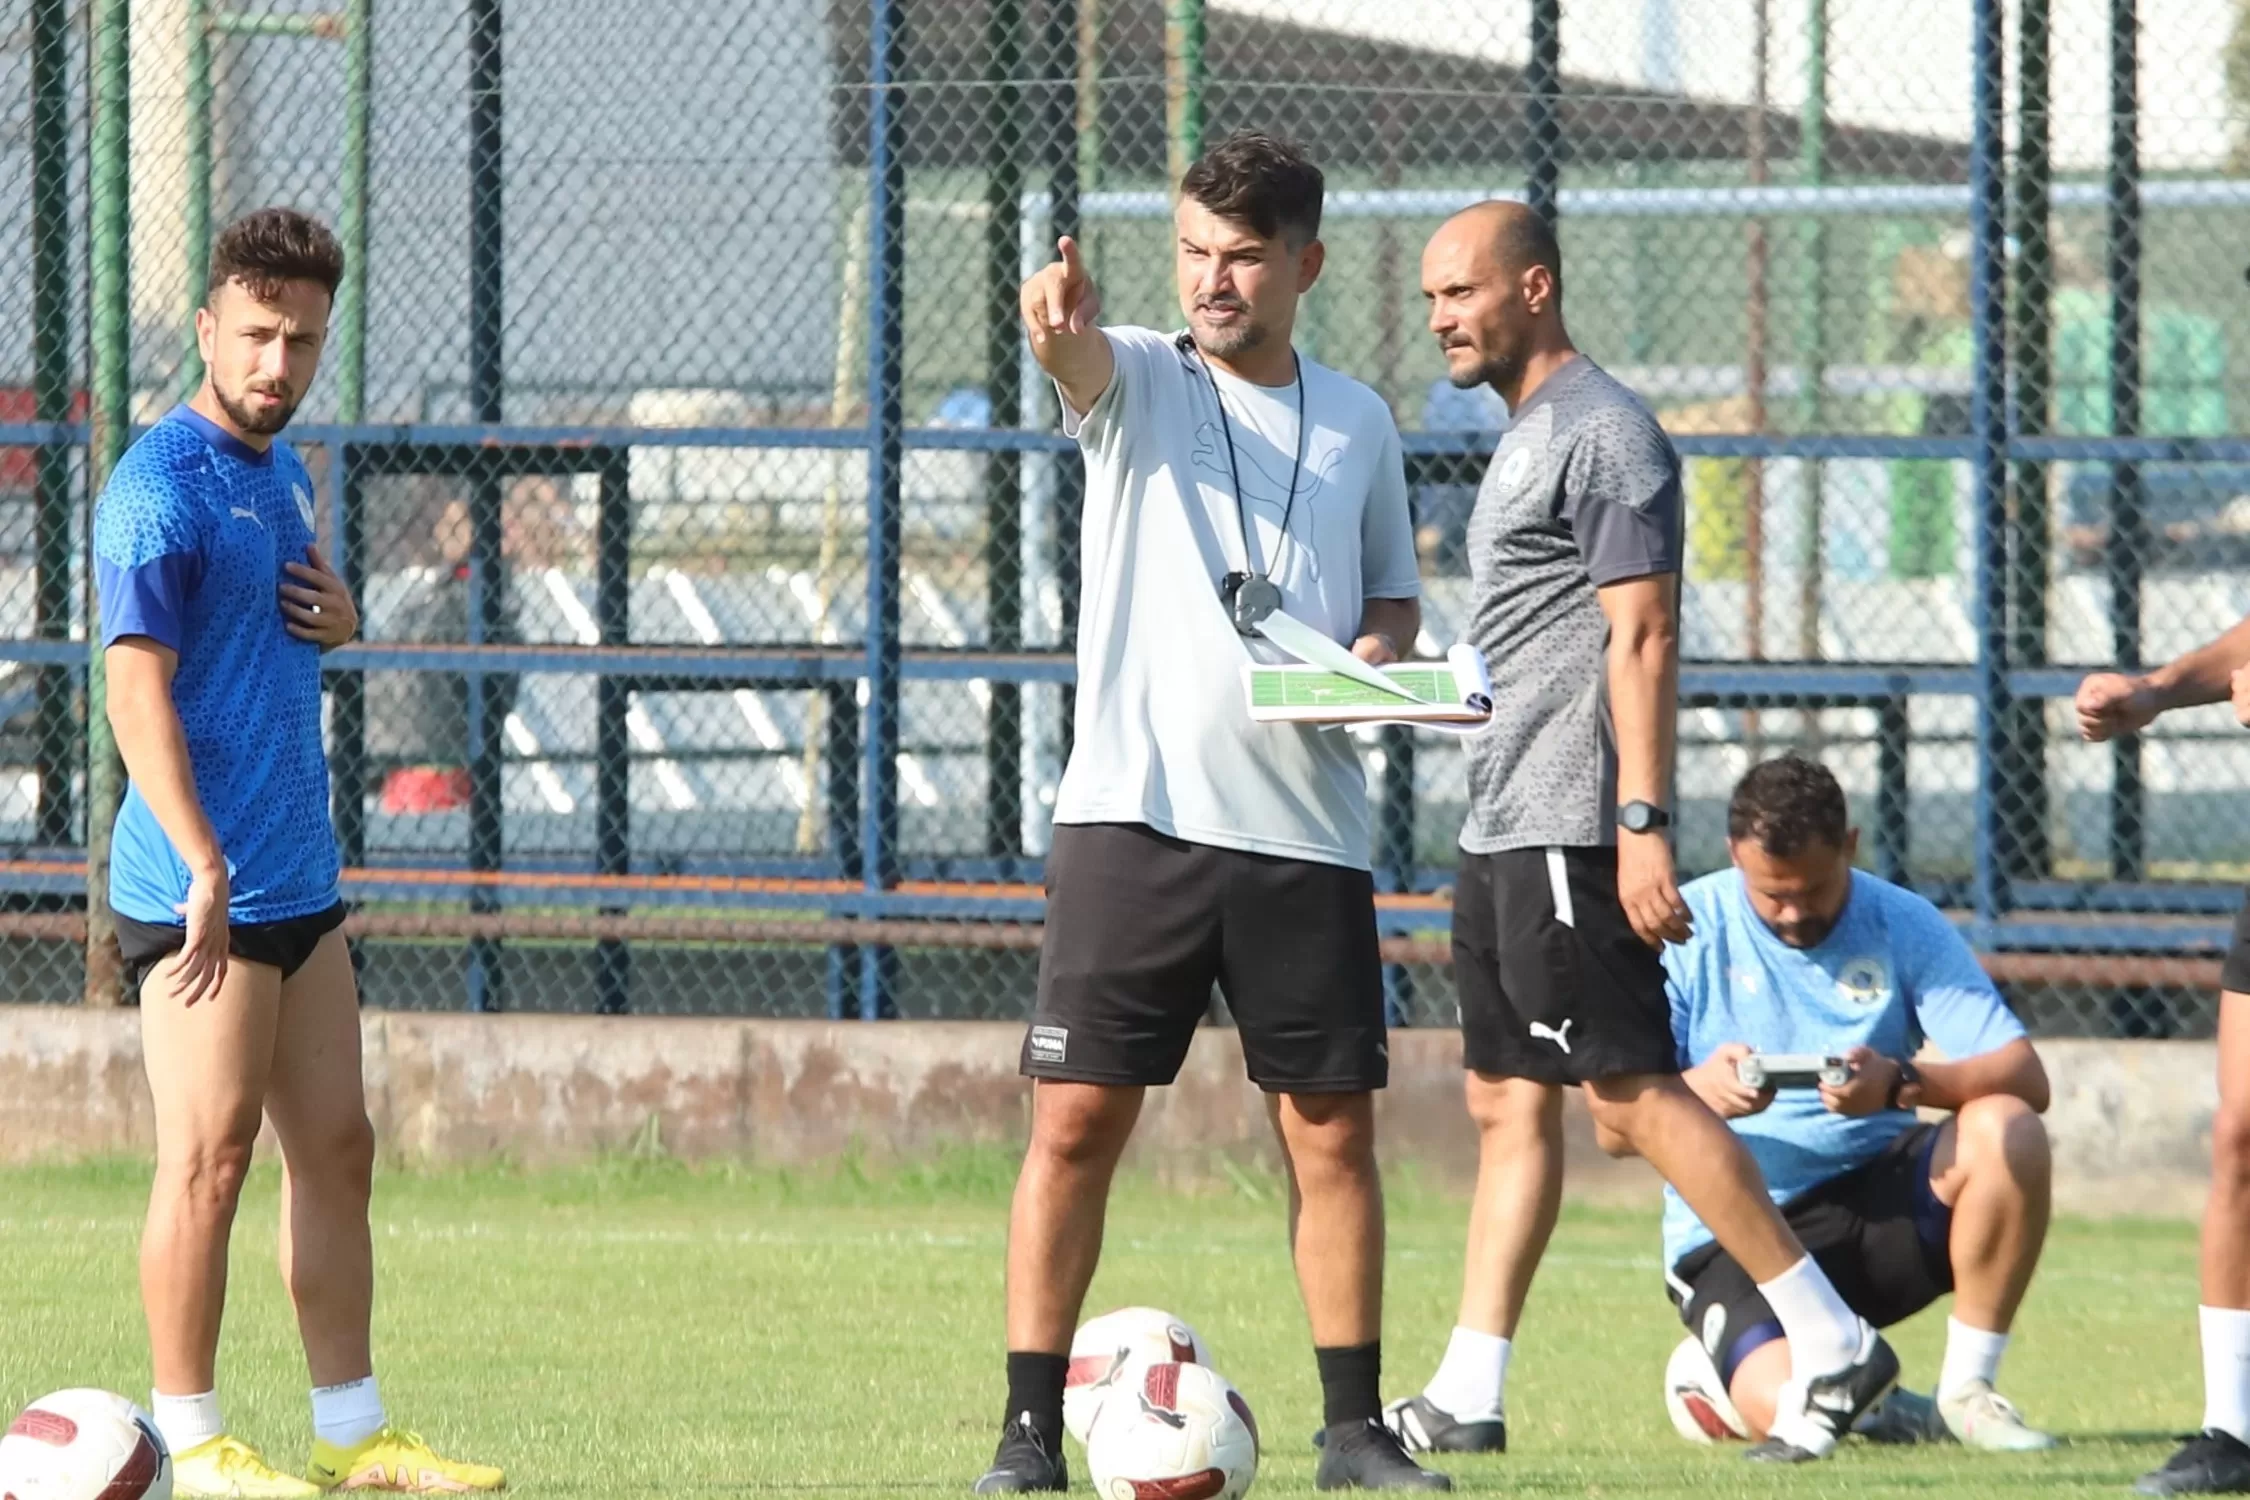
(249, 419)
(1810, 933)
(1232, 342)
(1494, 370)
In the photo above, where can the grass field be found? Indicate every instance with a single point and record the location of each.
(644, 1328)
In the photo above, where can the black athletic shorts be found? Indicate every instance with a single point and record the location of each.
(2235, 974)
(1878, 1230)
(1140, 925)
(285, 944)
(1554, 983)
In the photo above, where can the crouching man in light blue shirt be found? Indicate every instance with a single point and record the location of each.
(1796, 952)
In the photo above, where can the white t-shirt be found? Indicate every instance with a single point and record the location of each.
(1164, 736)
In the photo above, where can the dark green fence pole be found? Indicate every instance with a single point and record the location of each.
(56, 734)
(2127, 551)
(2029, 854)
(1006, 141)
(109, 251)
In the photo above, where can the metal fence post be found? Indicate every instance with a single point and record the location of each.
(1183, 87)
(1542, 81)
(2126, 553)
(886, 267)
(487, 251)
(2031, 363)
(1059, 128)
(1988, 421)
(110, 252)
(55, 755)
(1006, 138)
(613, 805)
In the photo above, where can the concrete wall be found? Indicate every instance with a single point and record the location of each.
(2131, 1121)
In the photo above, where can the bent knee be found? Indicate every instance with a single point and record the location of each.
(2001, 1130)
(2230, 1140)
(1090, 1126)
(1513, 1106)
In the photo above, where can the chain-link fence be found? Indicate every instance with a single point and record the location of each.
(718, 557)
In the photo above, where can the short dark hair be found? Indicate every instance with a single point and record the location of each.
(1259, 180)
(264, 249)
(1788, 805)
(1529, 240)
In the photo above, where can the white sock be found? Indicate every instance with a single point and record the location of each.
(1471, 1381)
(2226, 1369)
(1823, 1333)
(347, 1414)
(1970, 1354)
(185, 1422)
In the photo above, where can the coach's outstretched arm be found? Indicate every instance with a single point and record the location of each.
(154, 748)
(1060, 305)
(2115, 703)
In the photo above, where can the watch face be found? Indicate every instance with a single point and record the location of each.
(1635, 817)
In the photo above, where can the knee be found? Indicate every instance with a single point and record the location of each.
(1514, 1112)
(2230, 1144)
(346, 1156)
(2003, 1132)
(1615, 1104)
(207, 1176)
(1085, 1129)
(1329, 1133)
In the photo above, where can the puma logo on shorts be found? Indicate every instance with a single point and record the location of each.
(1049, 1043)
(1559, 1036)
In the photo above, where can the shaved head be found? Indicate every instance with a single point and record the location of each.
(1513, 236)
(1492, 275)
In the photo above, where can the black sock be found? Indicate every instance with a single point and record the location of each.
(1035, 1389)
(1351, 1383)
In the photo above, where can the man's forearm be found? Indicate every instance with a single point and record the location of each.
(1400, 619)
(2204, 674)
(1644, 692)
(154, 748)
(2013, 1069)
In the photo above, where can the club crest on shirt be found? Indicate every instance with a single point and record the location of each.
(1864, 981)
(303, 498)
(1514, 467)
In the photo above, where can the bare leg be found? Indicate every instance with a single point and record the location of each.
(1518, 1196)
(1991, 1163)
(207, 1067)
(1078, 1132)
(1335, 1212)
(318, 1104)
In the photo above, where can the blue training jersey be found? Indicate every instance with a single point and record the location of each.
(1893, 972)
(189, 542)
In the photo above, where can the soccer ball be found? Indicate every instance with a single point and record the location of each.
(1113, 1348)
(84, 1445)
(1696, 1398)
(1175, 1432)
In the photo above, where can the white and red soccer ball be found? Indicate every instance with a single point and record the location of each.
(1110, 1351)
(1696, 1399)
(1176, 1432)
(84, 1445)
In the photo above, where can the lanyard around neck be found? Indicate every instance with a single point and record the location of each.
(1234, 472)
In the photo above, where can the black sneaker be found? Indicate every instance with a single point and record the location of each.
(1424, 1427)
(1832, 1403)
(2210, 1463)
(1367, 1456)
(1023, 1463)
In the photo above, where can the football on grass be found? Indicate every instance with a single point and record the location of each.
(84, 1445)
(1114, 1348)
(1696, 1399)
(1174, 1432)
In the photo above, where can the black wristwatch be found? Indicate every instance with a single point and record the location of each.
(1909, 1076)
(1642, 817)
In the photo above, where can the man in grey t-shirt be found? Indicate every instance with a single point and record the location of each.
(1566, 895)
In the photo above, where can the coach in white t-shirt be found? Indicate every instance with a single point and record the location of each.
(1227, 476)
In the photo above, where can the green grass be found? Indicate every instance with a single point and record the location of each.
(639, 1327)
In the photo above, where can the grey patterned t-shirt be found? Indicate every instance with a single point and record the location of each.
(1583, 492)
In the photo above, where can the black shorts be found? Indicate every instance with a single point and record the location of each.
(1878, 1230)
(285, 944)
(1554, 983)
(1140, 925)
(2234, 975)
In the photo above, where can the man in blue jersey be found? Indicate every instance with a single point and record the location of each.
(215, 608)
(1796, 952)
